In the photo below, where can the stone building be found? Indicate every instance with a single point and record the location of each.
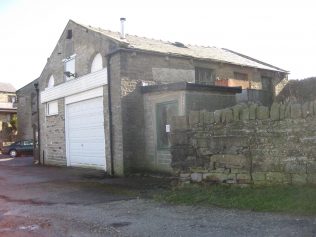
(7, 111)
(107, 99)
(27, 111)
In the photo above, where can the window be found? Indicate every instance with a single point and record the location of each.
(97, 63)
(69, 67)
(11, 99)
(164, 113)
(240, 76)
(69, 34)
(51, 82)
(52, 108)
(204, 76)
(28, 143)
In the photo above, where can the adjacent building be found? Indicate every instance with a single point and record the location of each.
(7, 112)
(106, 99)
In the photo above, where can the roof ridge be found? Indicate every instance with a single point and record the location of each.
(144, 37)
(198, 51)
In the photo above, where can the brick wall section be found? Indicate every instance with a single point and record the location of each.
(55, 146)
(247, 144)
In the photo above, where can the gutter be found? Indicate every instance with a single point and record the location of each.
(38, 123)
(108, 57)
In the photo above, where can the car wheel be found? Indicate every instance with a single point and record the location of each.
(13, 153)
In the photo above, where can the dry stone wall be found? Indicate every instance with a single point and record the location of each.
(247, 144)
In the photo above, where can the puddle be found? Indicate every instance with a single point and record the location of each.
(29, 228)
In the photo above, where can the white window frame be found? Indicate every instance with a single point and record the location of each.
(52, 108)
(67, 61)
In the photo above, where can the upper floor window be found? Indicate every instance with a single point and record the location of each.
(51, 82)
(11, 98)
(97, 63)
(204, 76)
(69, 67)
(240, 76)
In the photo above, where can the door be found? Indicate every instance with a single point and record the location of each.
(164, 113)
(85, 134)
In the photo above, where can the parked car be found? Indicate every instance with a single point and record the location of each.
(23, 147)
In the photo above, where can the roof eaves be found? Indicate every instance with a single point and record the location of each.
(256, 60)
(196, 58)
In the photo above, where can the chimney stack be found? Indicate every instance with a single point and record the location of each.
(122, 27)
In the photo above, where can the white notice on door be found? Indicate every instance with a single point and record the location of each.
(167, 127)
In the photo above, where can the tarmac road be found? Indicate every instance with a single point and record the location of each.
(52, 201)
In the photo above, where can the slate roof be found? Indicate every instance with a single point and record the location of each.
(198, 52)
(7, 87)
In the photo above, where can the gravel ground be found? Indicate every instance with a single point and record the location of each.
(52, 201)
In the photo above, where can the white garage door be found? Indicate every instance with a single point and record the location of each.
(85, 133)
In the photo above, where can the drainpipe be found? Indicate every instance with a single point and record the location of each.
(110, 112)
(38, 123)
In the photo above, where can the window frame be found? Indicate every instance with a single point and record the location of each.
(48, 105)
(203, 80)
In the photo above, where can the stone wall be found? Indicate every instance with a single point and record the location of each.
(247, 144)
(26, 110)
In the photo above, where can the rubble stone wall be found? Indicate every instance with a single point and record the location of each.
(247, 144)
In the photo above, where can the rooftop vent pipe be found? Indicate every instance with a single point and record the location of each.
(122, 27)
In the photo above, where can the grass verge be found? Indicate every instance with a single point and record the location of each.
(287, 199)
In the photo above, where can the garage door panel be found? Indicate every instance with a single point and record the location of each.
(85, 133)
(90, 125)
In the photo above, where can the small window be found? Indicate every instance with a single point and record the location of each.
(69, 34)
(204, 76)
(240, 76)
(51, 82)
(97, 63)
(69, 67)
(52, 108)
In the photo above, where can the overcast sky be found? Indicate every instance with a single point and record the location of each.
(282, 33)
